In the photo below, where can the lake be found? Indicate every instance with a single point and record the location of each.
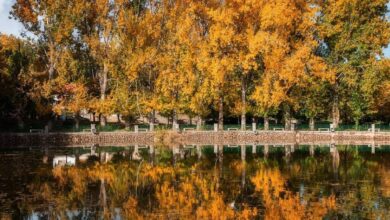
(196, 182)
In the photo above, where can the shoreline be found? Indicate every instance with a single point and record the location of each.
(12, 140)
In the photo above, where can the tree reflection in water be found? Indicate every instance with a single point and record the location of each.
(215, 183)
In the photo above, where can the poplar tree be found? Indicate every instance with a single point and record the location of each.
(354, 34)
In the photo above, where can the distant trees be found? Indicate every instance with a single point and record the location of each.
(240, 58)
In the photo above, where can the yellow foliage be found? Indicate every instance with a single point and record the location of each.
(281, 203)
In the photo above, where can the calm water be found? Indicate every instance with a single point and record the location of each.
(196, 182)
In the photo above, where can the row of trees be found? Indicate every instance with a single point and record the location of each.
(316, 59)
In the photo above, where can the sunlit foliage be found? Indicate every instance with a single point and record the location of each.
(236, 58)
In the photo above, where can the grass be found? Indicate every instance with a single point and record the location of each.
(69, 126)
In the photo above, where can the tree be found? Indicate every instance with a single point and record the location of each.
(97, 29)
(232, 57)
(49, 22)
(381, 103)
(176, 59)
(354, 33)
(139, 34)
(14, 62)
(313, 100)
(22, 82)
(286, 44)
(71, 92)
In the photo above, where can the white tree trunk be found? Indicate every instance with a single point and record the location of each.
(312, 124)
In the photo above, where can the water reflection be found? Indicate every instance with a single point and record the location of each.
(196, 182)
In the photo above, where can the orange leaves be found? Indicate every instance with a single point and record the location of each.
(180, 55)
(269, 181)
(176, 201)
(202, 190)
(281, 203)
(130, 210)
(197, 198)
(25, 11)
(155, 173)
(385, 181)
(185, 56)
(285, 42)
(8, 43)
(72, 97)
(71, 176)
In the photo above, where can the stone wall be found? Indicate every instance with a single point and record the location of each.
(193, 137)
(75, 139)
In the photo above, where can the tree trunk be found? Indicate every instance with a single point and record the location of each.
(52, 60)
(152, 118)
(77, 120)
(243, 100)
(20, 122)
(199, 123)
(103, 82)
(127, 124)
(312, 150)
(266, 150)
(103, 89)
(119, 118)
(51, 71)
(50, 124)
(312, 124)
(335, 114)
(174, 119)
(103, 195)
(243, 170)
(266, 123)
(103, 120)
(287, 120)
(220, 113)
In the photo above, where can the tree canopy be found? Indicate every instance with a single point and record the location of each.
(315, 60)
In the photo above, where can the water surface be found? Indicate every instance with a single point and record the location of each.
(196, 182)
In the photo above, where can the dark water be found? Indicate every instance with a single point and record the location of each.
(193, 182)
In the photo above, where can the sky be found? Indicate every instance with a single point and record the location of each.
(10, 26)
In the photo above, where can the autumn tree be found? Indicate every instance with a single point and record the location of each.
(97, 29)
(354, 34)
(52, 27)
(286, 44)
(50, 22)
(71, 88)
(219, 53)
(382, 97)
(180, 78)
(232, 57)
(139, 34)
(15, 60)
